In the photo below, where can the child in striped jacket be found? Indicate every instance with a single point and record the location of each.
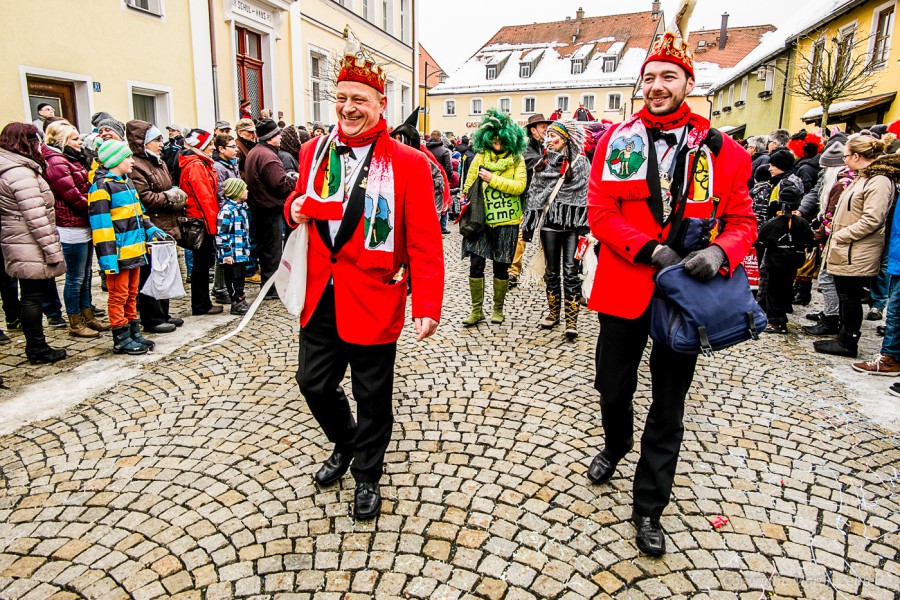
(120, 230)
(232, 246)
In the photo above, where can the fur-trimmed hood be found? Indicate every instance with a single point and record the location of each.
(887, 165)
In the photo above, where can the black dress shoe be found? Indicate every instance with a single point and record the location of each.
(160, 328)
(333, 468)
(651, 538)
(367, 503)
(601, 469)
(175, 321)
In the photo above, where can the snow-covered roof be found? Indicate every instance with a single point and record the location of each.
(497, 58)
(615, 49)
(583, 51)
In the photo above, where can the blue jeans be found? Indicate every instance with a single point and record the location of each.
(77, 290)
(879, 288)
(189, 261)
(444, 221)
(50, 304)
(891, 344)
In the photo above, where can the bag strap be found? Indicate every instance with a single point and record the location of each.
(556, 188)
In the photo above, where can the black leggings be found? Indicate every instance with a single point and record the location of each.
(561, 244)
(476, 268)
(850, 291)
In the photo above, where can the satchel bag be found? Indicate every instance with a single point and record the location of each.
(692, 316)
(193, 233)
(472, 217)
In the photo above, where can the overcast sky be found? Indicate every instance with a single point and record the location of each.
(452, 30)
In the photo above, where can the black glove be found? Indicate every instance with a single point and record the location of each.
(663, 257)
(704, 264)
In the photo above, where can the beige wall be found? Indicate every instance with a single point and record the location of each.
(545, 102)
(155, 52)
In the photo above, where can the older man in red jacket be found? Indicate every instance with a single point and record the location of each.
(644, 169)
(368, 203)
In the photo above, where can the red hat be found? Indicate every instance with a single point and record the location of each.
(357, 65)
(673, 46)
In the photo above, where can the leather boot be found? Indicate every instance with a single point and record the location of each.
(123, 344)
(827, 325)
(78, 328)
(554, 304)
(500, 288)
(135, 327)
(476, 290)
(845, 345)
(802, 292)
(91, 320)
(573, 305)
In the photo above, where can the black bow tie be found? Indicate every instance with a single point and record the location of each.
(341, 150)
(657, 135)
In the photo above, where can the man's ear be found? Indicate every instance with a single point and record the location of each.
(690, 85)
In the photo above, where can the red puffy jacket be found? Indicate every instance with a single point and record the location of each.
(68, 180)
(199, 182)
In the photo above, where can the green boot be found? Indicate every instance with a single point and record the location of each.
(476, 288)
(500, 287)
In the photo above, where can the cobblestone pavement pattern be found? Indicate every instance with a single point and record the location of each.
(194, 479)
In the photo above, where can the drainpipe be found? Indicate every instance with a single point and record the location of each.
(708, 99)
(215, 66)
(787, 71)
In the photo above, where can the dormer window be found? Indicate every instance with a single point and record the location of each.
(525, 70)
(609, 64)
(577, 66)
(491, 72)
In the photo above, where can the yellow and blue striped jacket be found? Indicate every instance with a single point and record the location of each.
(119, 226)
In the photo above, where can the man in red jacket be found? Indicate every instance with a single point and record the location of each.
(643, 169)
(367, 201)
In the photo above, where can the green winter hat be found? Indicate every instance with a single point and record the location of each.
(113, 152)
(234, 188)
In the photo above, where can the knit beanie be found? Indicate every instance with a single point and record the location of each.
(152, 134)
(116, 126)
(198, 138)
(762, 173)
(97, 117)
(833, 156)
(782, 159)
(113, 152)
(233, 188)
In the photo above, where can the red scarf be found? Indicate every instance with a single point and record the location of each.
(673, 120)
(365, 138)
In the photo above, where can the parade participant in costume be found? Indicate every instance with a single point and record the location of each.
(677, 155)
(367, 200)
(565, 219)
(535, 133)
(499, 143)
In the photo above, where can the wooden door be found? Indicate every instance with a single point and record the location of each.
(249, 67)
(58, 94)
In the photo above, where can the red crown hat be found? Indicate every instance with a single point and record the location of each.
(673, 46)
(357, 65)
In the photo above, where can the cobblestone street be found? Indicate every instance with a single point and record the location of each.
(193, 477)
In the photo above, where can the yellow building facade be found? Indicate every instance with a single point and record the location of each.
(874, 23)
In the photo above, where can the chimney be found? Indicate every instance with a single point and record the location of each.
(723, 33)
(655, 13)
(579, 14)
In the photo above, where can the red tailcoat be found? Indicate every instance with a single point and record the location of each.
(623, 287)
(369, 308)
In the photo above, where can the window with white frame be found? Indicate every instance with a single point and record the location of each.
(614, 102)
(475, 107)
(761, 73)
(731, 95)
(883, 22)
(719, 100)
(404, 20)
(387, 13)
(529, 104)
(389, 92)
(449, 108)
(577, 65)
(491, 72)
(770, 78)
(609, 64)
(745, 84)
(562, 103)
(524, 70)
(505, 105)
(154, 7)
(405, 96)
(149, 104)
(318, 85)
(588, 101)
(846, 38)
(367, 12)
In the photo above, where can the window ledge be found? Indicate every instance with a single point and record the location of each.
(145, 11)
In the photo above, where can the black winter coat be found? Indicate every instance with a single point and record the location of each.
(441, 155)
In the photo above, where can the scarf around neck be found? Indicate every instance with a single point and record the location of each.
(328, 187)
(679, 118)
(365, 138)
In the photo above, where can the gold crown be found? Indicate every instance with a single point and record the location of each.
(359, 65)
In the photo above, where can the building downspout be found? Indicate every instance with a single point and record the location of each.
(787, 72)
(708, 99)
(215, 66)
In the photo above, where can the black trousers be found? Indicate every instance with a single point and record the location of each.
(850, 292)
(267, 224)
(204, 259)
(323, 361)
(561, 244)
(234, 280)
(35, 292)
(779, 292)
(620, 347)
(152, 311)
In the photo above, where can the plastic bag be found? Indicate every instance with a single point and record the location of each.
(165, 276)
(588, 268)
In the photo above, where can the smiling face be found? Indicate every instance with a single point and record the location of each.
(665, 87)
(74, 141)
(107, 134)
(555, 142)
(358, 106)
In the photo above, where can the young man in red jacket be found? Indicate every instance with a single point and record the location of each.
(640, 172)
(368, 203)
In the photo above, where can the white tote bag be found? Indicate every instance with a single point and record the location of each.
(289, 280)
(165, 276)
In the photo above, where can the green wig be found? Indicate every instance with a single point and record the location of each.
(496, 124)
